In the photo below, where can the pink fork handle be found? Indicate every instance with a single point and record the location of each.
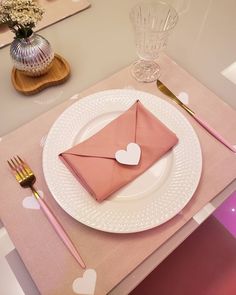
(61, 232)
(214, 133)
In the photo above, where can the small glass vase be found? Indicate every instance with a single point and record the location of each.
(32, 56)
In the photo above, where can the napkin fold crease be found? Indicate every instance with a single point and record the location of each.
(93, 161)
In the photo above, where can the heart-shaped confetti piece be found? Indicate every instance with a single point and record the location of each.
(130, 156)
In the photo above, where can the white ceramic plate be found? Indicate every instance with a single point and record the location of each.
(150, 200)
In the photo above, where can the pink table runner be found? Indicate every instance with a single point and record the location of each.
(52, 267)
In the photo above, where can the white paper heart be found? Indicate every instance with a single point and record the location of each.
(48, 99)
(77, 95)
(129, 87)
(30, 202)
(183, 96)
(131, 156)
(42, 141)
(85, 284)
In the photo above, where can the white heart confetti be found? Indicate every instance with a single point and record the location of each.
(30, 202)
(129, 157)
(48, 99)
(75, 96)
(129, 87)
(42, 141)
(85, 284)
(183, 96)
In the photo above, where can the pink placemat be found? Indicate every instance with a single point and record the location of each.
(55, 10)
(109, 257)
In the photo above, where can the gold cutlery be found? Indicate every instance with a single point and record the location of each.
(26, 178)
(204, 124)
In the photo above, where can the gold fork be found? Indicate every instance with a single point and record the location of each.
(26, 178)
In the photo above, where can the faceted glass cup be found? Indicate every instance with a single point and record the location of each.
(153, 21)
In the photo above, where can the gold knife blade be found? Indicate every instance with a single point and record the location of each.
(202, 122)
(167, 92)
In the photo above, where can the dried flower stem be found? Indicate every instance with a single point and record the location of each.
(20, 16)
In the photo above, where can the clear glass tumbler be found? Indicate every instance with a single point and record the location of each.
(152, 21)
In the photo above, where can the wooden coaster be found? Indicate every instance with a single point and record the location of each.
(58, 74)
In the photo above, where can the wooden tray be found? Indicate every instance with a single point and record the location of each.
(58, 74)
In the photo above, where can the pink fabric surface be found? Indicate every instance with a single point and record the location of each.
(197, 267)
(87, 159)
(226, 214)
(112, 256)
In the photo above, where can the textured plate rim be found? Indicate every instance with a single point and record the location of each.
(116, 92)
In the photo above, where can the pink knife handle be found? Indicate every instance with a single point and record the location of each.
(61, 232)
(214, 133)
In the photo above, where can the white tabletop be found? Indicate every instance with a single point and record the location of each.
(99, 41)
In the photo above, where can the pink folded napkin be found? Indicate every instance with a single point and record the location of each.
(94, 162)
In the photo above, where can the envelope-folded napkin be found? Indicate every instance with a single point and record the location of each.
(93, 161)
